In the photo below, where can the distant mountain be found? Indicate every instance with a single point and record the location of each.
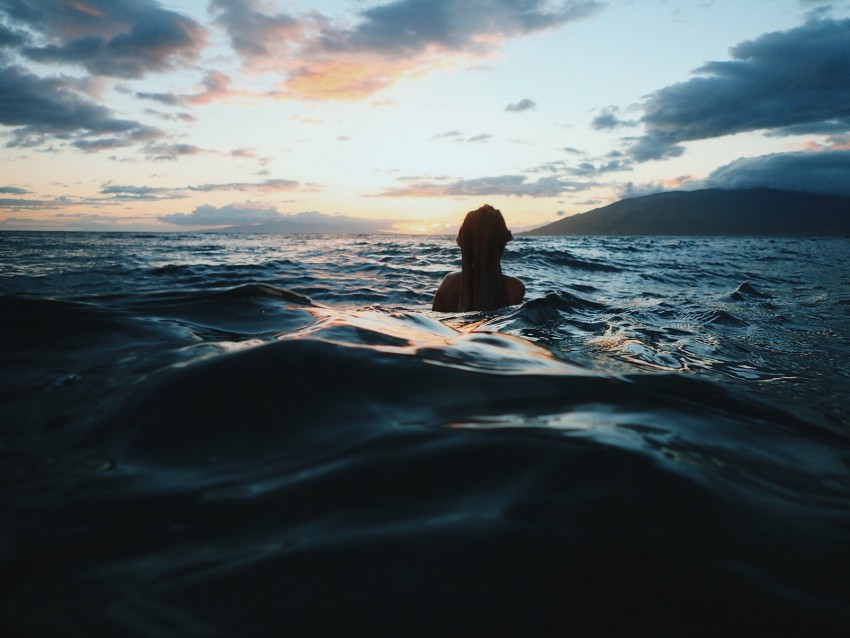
(757, 211)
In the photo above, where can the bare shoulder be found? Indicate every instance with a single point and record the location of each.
(515, 288)
(453, 278)
(448, 294)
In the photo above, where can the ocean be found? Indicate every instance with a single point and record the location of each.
(269, 435)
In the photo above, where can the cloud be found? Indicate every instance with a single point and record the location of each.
(80, 221)
(155, 193)
(411, 27)
(321, 59)
(118, 39)
(231, 215)
(170, 152)
(260, 219)
(11, 37)
(783, 82)
(170, 99)
(612, 162)
(826, 173)
(522, 105)
(604, 121)
(39, 107)
(267, 186)
(460, 137)
(111, 193)
(630, 189)
(102, 144)
(173, 117)
(558, 166)
(9, 203)
(13, 190)
(590, 169)
(244, 151)
(655, 146)
(506, 185)
(819, 8)
(15, 204)
(258, 36)
(214, 87)
(140, 193)
(609, 119)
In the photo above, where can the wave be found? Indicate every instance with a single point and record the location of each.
(746, 291)
(422, 373)
(267, 446)
(564, 259)
(246, 292)
(713, 317)
(384, 456)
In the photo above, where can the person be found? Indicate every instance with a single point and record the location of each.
(480, 285)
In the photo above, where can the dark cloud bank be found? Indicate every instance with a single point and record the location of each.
(786, 82)
(39, 107)
(826, 172)
(106, 38)
(117, 39)
(401, 28)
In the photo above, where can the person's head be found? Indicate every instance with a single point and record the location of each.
(484, 229)
(482, 239)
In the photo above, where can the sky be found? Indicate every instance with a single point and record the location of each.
(402, 115)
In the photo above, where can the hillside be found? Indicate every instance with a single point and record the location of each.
(759, 211)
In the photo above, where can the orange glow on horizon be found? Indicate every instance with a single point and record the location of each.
(424, 228)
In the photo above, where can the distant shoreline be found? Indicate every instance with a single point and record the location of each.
(759, 212)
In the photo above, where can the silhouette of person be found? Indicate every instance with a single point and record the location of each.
(480, 285)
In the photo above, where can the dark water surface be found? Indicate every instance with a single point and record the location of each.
(213, 435)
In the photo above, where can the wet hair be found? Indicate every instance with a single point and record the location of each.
(482, 240)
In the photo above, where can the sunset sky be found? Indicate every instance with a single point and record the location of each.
(355, 115)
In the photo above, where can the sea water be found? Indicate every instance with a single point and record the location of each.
(266, 435)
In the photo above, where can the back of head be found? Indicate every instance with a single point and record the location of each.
(482, 240)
